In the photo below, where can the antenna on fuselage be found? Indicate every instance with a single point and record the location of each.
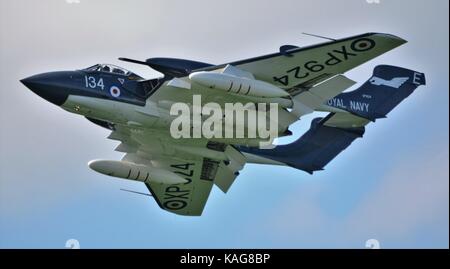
(133, 61)
(319, 36)
(136, 192)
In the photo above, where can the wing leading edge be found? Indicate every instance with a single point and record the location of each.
(306, 66)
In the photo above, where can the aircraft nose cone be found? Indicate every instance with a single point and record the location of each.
(46, 86)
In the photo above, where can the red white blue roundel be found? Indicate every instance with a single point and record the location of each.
(114, 91)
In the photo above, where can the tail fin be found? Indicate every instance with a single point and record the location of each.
(388, 86)
(329, 136)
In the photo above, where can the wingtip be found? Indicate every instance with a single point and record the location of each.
(392, 37)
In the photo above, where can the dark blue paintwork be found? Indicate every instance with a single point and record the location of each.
(170, 67)
(50, 86)
(313, 150)
(175, 67)
(286, 48)
(320, 144)
(380, 99)
(55, 87)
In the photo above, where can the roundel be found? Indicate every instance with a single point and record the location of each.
(175, 204)
(114, 91)
(362, 44)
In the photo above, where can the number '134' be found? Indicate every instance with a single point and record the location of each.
(91, 82)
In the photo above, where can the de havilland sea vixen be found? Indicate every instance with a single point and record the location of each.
(179, 172)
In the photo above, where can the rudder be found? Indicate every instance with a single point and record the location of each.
(388, 86)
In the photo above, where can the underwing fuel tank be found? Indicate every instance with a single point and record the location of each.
(127, 170)
(237, 85)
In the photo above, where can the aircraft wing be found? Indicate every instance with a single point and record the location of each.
(185, 199)
(306, 66)
(311, 74)
(200, 162)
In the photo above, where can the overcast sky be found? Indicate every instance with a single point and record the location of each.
(392, 185)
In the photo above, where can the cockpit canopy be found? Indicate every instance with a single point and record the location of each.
(110, 68)
(139, 85)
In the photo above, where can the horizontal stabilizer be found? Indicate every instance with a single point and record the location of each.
(312, 99)
(345, 120)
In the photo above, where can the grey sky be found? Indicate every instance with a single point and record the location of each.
(393, 184)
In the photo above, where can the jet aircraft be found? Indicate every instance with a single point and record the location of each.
(180, 172)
